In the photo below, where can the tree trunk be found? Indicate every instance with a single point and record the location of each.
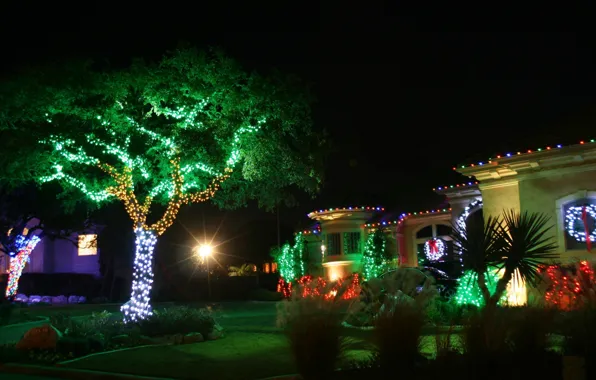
(501, 287)
(483, 288)
(17, 264)
(139, 307)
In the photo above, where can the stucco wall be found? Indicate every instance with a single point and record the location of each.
(549, 194)
(343, 264)
(500, 196)
(546, 192)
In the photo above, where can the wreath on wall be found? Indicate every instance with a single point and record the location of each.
(581, 232)
(434, 249)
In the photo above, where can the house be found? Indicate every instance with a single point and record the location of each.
(78, 253)
(558, 181)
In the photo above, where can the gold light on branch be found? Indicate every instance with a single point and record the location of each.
(124, 191)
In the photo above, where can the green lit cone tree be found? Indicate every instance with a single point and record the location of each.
(160, 136)
(374, 257)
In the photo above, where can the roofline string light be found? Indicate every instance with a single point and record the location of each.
(529, 151)
(361, 208)
(469, 184)
(315, 230)
(404, 216)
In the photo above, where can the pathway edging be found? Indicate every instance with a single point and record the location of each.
(72, 374)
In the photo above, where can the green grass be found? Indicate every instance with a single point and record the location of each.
(238, 356)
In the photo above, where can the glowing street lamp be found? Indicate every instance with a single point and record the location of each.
(205, 251)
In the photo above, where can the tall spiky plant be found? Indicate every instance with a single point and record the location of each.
(527, 246)
(479, 244)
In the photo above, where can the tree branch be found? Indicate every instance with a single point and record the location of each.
(124, 191)
(209, 192)
(175, 202)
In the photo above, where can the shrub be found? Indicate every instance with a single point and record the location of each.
(178, 320)
(313, 328)
(398, 337)
(265, 295)
(6, 312)
(379, 294)
(443, 312)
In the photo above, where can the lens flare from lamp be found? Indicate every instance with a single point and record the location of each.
(205, 250)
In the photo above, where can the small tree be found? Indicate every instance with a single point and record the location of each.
(25, 219)
(374, 256)
(290, 259)
(168, 134)
(243, 270)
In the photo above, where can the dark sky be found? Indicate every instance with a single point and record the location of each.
(402, 107)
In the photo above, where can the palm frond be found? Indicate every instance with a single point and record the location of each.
(480, 243)
(529, 243)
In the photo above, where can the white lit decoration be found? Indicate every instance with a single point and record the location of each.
(138, 307)
(576, 214)
(434, 249)
(461, 221)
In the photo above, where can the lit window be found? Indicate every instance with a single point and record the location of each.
(25, 231)
(87, 245)
(273, 267)
(351, 242)
(266, 268)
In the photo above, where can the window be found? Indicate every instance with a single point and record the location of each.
(441, 231)
(333, 244)
(573, 217)
(351, 242)
(25, 231)
(426, 232)
(87, 245)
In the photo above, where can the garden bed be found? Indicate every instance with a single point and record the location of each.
(65, 338)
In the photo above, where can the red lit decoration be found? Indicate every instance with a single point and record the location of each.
(567, 285)
(317, 287)
(285, 288)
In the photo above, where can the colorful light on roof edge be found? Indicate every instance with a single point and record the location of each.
(404, 216)
(469, 184)
(558, 146)
(316, 230)
(362, 208)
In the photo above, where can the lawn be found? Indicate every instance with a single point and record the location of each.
(239, 355)
(253, 348)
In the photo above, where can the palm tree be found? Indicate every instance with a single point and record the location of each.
(515, 242)
(242, 271)
(527, 246)
(478, 243)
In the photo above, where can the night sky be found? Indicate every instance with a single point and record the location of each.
(401, 108)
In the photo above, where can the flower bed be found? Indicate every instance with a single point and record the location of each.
(49, 300)
(65, 338)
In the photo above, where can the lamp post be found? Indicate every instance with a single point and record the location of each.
(205, 251)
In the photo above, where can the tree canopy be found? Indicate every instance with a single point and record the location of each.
(179, 131)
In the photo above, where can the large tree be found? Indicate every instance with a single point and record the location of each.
(168, 134)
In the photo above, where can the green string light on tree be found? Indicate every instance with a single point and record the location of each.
(290, 261)
(468, 292)
(373, 257)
